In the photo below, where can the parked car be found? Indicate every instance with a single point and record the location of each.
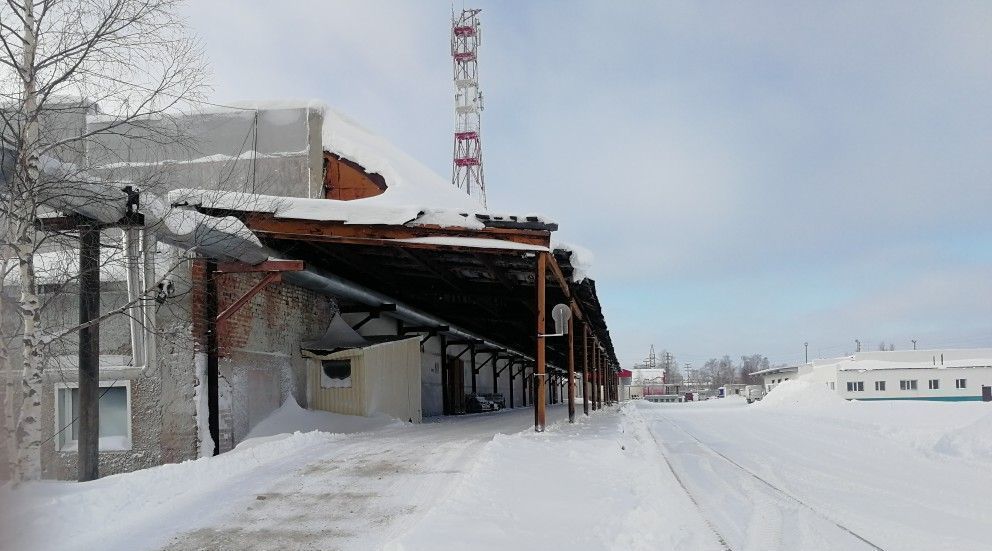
(497, 399)
(475, 403)
(753, 393)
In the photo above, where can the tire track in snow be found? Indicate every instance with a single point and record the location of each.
(761, 480)
(661, 450)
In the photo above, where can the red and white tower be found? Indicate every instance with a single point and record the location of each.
(466, 173)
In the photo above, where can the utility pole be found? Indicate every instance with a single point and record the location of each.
(914, 344)
(806, 345)
(858, 344)
(89, 353)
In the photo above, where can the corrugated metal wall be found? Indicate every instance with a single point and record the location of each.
(349, 401)
(384, 379)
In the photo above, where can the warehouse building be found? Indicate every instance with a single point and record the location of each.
(325, 267)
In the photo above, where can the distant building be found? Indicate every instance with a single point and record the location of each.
(951, 375)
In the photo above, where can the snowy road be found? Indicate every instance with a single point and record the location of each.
(362, 493)
(778, 479)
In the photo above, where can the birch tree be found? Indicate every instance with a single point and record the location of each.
(136, 61)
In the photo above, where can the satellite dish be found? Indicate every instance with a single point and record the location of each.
(561, 313)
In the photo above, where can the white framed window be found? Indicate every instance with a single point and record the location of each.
(934, 384)
(880, 386)
(856, 386)
(960, 383)
(833, 385)
(115, 416)
(907, 385)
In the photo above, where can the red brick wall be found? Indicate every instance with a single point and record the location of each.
(274, 320)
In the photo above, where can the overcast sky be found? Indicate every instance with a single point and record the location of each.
(748, 176)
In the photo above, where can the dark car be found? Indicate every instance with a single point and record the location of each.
(475, 403)
(497, 399)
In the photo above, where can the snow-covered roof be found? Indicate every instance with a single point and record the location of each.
(910, 359)
(777, 369)
(359, 211)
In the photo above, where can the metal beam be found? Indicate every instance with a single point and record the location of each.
(266, 266)
(270, 277)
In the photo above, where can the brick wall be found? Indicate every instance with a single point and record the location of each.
(259, 345)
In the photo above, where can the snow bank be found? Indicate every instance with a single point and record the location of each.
(140, 510)
(801, 394)
(955, 429)
(973, 441)
(291, 418)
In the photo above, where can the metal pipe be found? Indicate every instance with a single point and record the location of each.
(148, 253)
(132, 270)
(326, 283)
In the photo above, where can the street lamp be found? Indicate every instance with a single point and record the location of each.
(806, 345)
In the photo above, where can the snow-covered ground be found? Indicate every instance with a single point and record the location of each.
(801, 470)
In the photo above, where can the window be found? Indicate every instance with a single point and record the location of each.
(880, 386)
(960, 383)
(907, 385)
(856, 386)
(335, 373)
(934, 384)
(833, 385)
(115, 417)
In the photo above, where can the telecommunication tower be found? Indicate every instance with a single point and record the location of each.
(466, 172)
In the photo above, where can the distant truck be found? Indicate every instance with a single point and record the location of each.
(730, 390)
(753, 393)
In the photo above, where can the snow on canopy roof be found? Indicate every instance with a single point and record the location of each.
(324, 210)
(408, 181)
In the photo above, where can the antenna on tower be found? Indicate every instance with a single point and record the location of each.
(466, 171)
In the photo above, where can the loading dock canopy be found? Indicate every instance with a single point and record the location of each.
(481, 280)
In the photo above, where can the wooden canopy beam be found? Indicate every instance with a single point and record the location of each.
(315, 230)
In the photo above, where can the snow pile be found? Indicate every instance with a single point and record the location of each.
(973, 441)
(291, 418)
(801, 394)
(955, 429)
(141, 510)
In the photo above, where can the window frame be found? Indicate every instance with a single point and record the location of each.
(961, 383)
(933, 384)
(880, 386)
(323, 374)
(909, 385)
(72, 446)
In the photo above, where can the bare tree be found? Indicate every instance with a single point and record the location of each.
(750, 364)
(131, 57)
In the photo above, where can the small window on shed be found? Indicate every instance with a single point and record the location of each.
(335, 374)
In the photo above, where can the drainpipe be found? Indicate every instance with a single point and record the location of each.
(135, 286)
(148, 250)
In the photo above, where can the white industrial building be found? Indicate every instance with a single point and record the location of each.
(939, 375)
